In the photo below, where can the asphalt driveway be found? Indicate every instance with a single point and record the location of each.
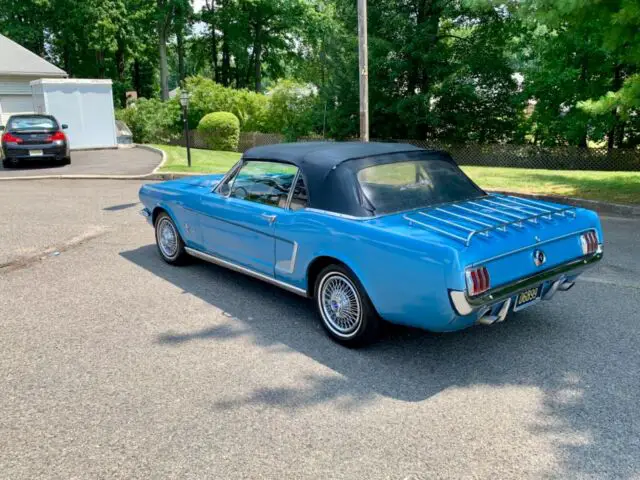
(126, 161)
(116, 365)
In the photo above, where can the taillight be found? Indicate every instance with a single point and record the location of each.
(58, 137)
(8, 138)
(589, 242)
(478, 281)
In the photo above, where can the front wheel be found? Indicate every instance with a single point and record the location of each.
(344, 307)
(168, 240)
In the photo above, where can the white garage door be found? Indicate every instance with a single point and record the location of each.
(15, 104)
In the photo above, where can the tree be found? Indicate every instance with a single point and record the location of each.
(581, 66)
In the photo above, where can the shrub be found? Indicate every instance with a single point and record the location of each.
(290, 109)
(206, 96)
(220, 131)
(152, 121)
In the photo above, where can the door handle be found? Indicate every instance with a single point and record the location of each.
(269, 218)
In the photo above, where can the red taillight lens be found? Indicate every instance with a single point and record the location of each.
(57, 137)
(589, 242)
(478, 280)
(8, 138)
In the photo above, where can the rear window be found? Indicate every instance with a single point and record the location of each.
(32, 123)
(399, 186)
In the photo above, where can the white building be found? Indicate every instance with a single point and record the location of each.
(18, 68)
(30, 84)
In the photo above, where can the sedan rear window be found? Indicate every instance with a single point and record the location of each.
(32, 123)
(398, 186)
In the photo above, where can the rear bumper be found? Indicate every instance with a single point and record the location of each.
(465, 305)
(22, 152)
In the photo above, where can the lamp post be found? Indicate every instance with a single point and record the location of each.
(184, 101)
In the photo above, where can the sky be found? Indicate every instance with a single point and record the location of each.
(197, 5)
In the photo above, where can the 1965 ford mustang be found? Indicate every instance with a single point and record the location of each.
(375, 231)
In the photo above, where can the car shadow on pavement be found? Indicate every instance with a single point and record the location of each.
(588, 375)
(35, 165)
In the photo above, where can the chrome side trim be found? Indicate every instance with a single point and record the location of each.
(291, 262)
(247, 271)
(231, 171)
(292, 189)
(339, 215)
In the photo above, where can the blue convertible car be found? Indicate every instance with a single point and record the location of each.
(375, 231)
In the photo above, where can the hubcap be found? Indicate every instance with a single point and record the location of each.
(340, 304)
(167, 238)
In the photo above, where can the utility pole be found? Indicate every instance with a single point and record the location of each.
(364, 70)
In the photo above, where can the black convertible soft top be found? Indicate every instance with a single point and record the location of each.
(329, 168)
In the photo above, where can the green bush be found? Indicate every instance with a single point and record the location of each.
(206, 96)
(152, 121)
(290, 110)
(220, 131)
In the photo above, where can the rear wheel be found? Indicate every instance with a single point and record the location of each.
(10, 162)
(168, 240)
(344, 307)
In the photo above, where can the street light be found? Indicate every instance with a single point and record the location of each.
(184, 101)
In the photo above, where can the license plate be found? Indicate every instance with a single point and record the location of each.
(527, 298)
(36, 153)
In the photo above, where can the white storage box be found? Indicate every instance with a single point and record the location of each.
(86, 106)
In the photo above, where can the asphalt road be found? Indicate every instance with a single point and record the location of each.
(116, 365)
(126, 161)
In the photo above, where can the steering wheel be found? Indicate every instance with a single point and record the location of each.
(240, 192)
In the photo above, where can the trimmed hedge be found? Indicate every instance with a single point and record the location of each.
(220, 131)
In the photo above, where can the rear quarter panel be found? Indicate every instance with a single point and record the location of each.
(406, 279)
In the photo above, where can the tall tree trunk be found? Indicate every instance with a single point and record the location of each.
(226, 59)
(250, 68)
(66, 58)
(214, 54)
(180, 41)
(164, 69)
(257, 58)
(210, 8)
(121, 68)
(582, 141)
(100, 63)
(617, 84)
(136, 78)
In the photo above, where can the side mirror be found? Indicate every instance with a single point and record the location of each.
(1, 128)
(65, 126)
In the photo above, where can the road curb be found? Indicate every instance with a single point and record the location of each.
(154, 175)
(600, 207)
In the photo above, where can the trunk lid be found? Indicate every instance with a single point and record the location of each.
(500, 232)
(32, 137)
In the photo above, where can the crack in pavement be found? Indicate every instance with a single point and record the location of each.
(25, 261)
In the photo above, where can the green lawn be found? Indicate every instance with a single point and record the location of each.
(202, 161)
(617, 187)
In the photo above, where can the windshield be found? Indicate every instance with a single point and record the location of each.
(398, 186)
(32, 123)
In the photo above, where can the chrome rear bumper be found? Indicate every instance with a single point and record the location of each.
(465, 305)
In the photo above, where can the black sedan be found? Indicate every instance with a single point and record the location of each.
(34, 137)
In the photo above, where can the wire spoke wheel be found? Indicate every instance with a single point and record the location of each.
(340, 304)
(167, 238)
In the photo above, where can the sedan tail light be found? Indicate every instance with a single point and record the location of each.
(9, 138)
(589, 241)
(58, 137)
(478, 280)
